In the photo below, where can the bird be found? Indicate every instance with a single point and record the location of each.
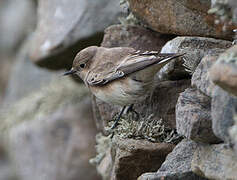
(119, 75)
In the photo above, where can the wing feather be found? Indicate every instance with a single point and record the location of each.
(130, 64)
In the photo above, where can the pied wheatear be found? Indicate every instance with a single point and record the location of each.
(120, 75)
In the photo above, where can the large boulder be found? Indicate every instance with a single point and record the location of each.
(65, 27)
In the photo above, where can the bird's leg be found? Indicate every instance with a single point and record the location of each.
(131, 109)
(118, 118)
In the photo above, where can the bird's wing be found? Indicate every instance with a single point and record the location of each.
(137, 61)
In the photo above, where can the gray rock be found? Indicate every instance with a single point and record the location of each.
(215, 162)
(223, 109)
(25, 77)
(51, 133)
(233, 133)
(224, 71)
(17, 19)
(195, 48)
(201, 78)
(188, 18)
(177, 164)
(65, 27)
(193, 117)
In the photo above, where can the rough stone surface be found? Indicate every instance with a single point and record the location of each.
(215, 162)
(161, 104)
(195, 48)
(193, 116)
(65, 27)
(134, 36)
(233, 133)
(177, 164)
(134, 157)
(223, 109)
(51, 134)
(224, 71)
(201, 77)
(182, 18)
(25, 77)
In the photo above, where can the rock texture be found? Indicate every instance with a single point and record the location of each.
(195, 48)
(215, 162)
(201, 77)
(50, 133)
(65, 27)
(193, 116)
(177, 164)
(224, 71)
(181, 18)
(137, 37)
(224, 107)
(134, 157)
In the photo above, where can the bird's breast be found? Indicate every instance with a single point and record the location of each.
(123, 91)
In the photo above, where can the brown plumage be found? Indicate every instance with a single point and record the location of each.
(119, 75)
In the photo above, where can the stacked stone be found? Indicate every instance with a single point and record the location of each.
(187, 128)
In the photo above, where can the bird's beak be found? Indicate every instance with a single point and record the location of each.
(72, 71)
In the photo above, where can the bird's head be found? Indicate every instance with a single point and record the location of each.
(82, 62)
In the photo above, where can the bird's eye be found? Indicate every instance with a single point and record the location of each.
(82, 65)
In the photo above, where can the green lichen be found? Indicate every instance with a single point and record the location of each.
(225, 12)
(145, 128)
(103, 143)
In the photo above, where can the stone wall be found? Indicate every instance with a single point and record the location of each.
(52, 128)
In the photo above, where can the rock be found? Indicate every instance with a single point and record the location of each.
(65, 27)
(17, 19)
(215, 162)
(233, 133)
(134, 36)
(223, 107)
(193, 116)
(188, 18)
(224, 71)
(134, 157)
(195, 48)
(25, 77)
(177, 164)
(51, 133)
(160, 105)
(201, 77)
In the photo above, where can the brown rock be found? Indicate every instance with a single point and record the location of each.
(181, 18)
(134, 157)
(134, 36)
(177, 164)
(201, 79)
(224, 71)
(195, 48)
(215, 162)
(193, 116)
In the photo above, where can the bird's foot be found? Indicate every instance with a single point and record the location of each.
(118, 118)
